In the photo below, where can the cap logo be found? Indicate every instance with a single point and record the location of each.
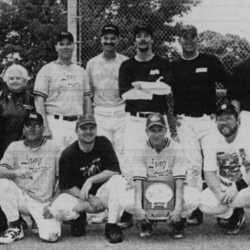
(34, 116)
(109, 28)
(155, 119)
(224, 106)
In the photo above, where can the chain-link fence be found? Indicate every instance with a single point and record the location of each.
(93, 14)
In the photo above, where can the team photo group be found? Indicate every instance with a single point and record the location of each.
(98, 143)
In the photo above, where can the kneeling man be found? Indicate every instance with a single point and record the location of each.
(227, 170)
(87, 167)
(160, 160)
(28, 176)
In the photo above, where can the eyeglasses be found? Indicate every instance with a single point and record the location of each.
(35, 126)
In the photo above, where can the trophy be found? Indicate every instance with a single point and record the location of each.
(158, 199)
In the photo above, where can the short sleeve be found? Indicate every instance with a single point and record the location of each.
(91, 84)
(41, 86)
(86, 84)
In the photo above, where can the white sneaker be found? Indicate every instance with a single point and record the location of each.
(11, 235)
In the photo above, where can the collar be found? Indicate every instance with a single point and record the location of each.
(35, 149)
(167, 143)
(189, 59)
(58, 62)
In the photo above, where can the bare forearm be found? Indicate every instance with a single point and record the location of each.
(179, 194)
(40, 108)
(102, 177)
(8, 174)
(213, 182)
(87, 105)
(138, 194)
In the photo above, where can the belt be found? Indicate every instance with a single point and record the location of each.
(142, 115)
(71, 118)
(194, 114)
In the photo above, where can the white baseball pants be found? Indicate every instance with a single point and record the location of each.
(14, 201)
(111, 123)
(210, 204)
(193, 134)
(63, 132)
(118, 197)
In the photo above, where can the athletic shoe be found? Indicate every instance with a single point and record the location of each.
(11, 235)
(236, 221)
(196, 218)
(78, 225)
(178, 229)
(146, 230)
(113, 233)
(126, 220)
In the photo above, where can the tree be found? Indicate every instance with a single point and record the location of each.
(28, 29)
(126, 14)
(231, 49)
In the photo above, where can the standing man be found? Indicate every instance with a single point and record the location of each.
(87, 165)
(62, 93)
(109, 107)
(28, 177)
(227, 170)
(143, 83)
(194, 92)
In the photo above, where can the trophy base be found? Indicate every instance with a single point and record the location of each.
(159, 215)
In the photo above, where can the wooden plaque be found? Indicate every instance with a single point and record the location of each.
(158, 199)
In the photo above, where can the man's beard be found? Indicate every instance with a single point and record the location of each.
(232, 132)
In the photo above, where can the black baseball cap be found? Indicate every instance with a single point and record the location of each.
(85, 119)
(185, 29)
(143, 27)
(227, 108)
(110, 28)
(33, 117)
(64, 34)
(155, 119)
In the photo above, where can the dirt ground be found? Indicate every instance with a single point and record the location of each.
(206, 236)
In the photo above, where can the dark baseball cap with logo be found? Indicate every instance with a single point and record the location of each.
(33, 117)
(64, 34)
(85, 119)
(227, 108)
(143, 27)
(185, 29)
(155, 119)
(110, 28)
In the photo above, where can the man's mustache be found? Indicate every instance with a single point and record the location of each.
(109, 44)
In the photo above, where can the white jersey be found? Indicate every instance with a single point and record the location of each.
(103, 77)
(151, 165)
(63, 88)
(231, 161)
(42, 161)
